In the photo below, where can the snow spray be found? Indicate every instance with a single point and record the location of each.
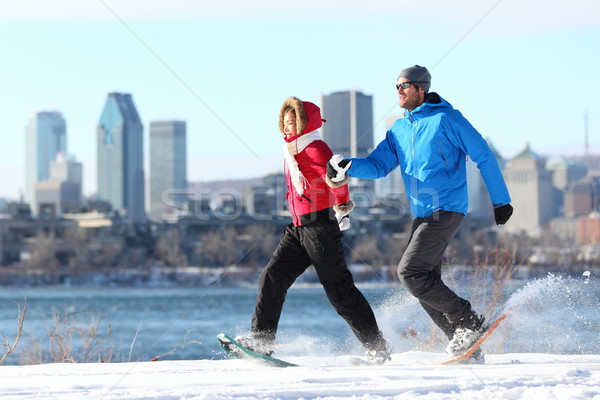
(556, 314)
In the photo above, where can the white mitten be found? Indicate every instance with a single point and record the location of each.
(343, 220)
(342, 214)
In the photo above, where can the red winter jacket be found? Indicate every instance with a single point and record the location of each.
(312, 162)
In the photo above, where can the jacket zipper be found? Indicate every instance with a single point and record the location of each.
(291, 202)
(443, 158)
(442, 154)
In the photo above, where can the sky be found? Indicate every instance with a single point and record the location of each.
(521, 72)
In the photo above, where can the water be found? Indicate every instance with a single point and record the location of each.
(552, 315)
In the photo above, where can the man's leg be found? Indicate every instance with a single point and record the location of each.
(418, 269)
(437, 316)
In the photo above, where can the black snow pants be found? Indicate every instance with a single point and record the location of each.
(320, 245)
(420, 270)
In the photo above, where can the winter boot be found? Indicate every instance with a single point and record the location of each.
(380, 353)
(465, 335)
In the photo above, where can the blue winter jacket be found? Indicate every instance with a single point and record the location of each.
(431, 144)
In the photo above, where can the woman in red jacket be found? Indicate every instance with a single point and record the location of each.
(313, 238)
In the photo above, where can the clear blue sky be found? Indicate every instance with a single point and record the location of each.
(521, 73)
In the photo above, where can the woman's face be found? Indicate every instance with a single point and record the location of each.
(289, 124)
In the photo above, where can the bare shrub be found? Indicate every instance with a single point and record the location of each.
(220, 247)
(168, 248)
(43, 253)
(366, 251)
(8, 346)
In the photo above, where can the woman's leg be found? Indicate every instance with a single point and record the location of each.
(287, 263)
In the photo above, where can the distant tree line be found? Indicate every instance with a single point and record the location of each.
(177, 245)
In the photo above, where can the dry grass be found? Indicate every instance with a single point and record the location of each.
(74, 338)
(493, 273)
(71, 339)
(174, 349)
(488, 281)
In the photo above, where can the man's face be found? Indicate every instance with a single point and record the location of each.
(411, 97)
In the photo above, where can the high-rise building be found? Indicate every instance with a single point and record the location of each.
(349, 132)
(392, 186)
(588, 229)
(168, 169)
(349, 127)
(120, 145)
(564, 173)
(530, 186)
(45, 136)
(582, 197)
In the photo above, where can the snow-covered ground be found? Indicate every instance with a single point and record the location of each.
(410, 375)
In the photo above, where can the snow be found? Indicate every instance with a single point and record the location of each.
(410, 375)
(559, 316)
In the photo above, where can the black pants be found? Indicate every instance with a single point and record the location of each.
(420, 270)
(321, 246)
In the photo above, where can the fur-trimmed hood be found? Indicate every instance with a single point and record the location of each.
(308, 115)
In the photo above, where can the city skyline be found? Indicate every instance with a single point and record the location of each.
(520, 73)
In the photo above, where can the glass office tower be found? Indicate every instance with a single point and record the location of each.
(120, 145)
(168, 169)
(45, 137)
(349, 132)
(349, 127)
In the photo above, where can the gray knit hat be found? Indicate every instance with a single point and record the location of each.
(417, 74)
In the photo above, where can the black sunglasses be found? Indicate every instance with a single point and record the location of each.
(406, 85)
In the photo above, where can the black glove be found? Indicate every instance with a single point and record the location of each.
(338, 168)
(331, 172)
(503, 213)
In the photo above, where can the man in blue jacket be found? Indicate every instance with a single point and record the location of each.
(430, 144)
